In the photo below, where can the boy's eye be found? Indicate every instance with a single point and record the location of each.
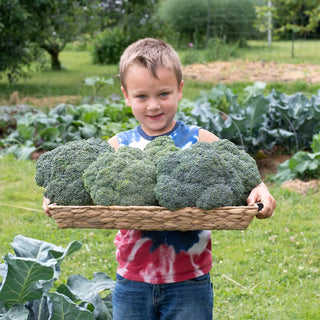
(164, 94)
(141, 96)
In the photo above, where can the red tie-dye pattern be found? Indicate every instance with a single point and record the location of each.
(139, 263)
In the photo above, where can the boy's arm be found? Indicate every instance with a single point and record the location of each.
(259, 194)
(114, 142)
(207, 136)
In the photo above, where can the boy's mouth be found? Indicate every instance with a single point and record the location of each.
(155, 117)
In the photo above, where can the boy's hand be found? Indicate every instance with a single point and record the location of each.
(45, 203)
(261, 194)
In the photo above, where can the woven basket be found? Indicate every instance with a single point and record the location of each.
(152, 218)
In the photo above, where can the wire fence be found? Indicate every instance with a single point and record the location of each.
(301, 50)
(297, 50)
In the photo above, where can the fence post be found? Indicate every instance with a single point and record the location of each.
(269, 23)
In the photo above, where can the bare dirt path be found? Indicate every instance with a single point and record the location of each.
(238, 70)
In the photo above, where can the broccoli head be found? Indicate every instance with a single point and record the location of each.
(247, 167)
(123, 178)
(159, 147)
(60, 170)
(206, 175)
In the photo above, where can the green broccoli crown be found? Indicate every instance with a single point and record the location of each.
(159, 147)
(206, 175)
(60, 170)
(246, 165)
(123, 178)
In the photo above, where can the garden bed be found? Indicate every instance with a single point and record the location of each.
(238, 70)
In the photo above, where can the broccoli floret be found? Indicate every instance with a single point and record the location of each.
(123, 178)
(159, 147)
(247, 167)
(60, 170)
(206, 175)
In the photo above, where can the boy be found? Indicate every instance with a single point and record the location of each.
(163, 275)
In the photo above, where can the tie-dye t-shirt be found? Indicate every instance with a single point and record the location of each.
(162, 256)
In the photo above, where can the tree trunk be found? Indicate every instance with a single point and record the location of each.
(55, 62)
(54, 50)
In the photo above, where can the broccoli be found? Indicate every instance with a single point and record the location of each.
(60, 170)
(159, 147)
(123, 178)
(206, 175)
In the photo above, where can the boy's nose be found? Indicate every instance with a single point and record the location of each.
(153, 106)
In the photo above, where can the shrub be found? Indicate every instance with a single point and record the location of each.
(108, 47)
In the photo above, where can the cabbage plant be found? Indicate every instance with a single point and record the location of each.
(27, 287)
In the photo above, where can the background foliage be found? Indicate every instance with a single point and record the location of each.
(29, 28)
(269, 271)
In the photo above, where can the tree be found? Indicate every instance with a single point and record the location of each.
(130, 20)
(294, 16)
(198, 21)
(15, 33)
(26, 26)
(187, 17)
(56, 23)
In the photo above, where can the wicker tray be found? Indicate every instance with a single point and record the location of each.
(152, 218)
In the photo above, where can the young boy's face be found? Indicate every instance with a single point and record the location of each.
(154, 102)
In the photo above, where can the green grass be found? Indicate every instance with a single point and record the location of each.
(69, 81)
(78, 66)
(269, 271)
(305, 51)
(21, 213)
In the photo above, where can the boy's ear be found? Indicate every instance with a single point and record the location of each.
(125, 96)
(180, 90)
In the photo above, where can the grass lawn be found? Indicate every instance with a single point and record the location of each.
(269, 271)
(78, 66)
(305, 51)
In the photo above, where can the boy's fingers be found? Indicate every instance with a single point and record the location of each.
(45, 206)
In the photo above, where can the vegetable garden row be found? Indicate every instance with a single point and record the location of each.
(255, 122)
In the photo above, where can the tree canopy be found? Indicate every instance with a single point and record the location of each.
(26, 26)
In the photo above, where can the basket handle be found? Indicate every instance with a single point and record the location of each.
(260, 206)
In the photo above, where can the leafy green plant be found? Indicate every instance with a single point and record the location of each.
(27, 289)
(252, 120)
(38, 130)
(256, 121)
(302, 165)
(97, 83)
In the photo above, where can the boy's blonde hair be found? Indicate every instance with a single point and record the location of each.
(151, 54)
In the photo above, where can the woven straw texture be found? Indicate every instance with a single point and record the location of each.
(152, 218)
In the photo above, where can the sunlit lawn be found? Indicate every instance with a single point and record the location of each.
(78, 66)
(305, 51)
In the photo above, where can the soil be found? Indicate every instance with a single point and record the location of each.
(40, 102)
(269, 164)
(239, 70)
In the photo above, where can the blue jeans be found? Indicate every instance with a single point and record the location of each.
(191, 300)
